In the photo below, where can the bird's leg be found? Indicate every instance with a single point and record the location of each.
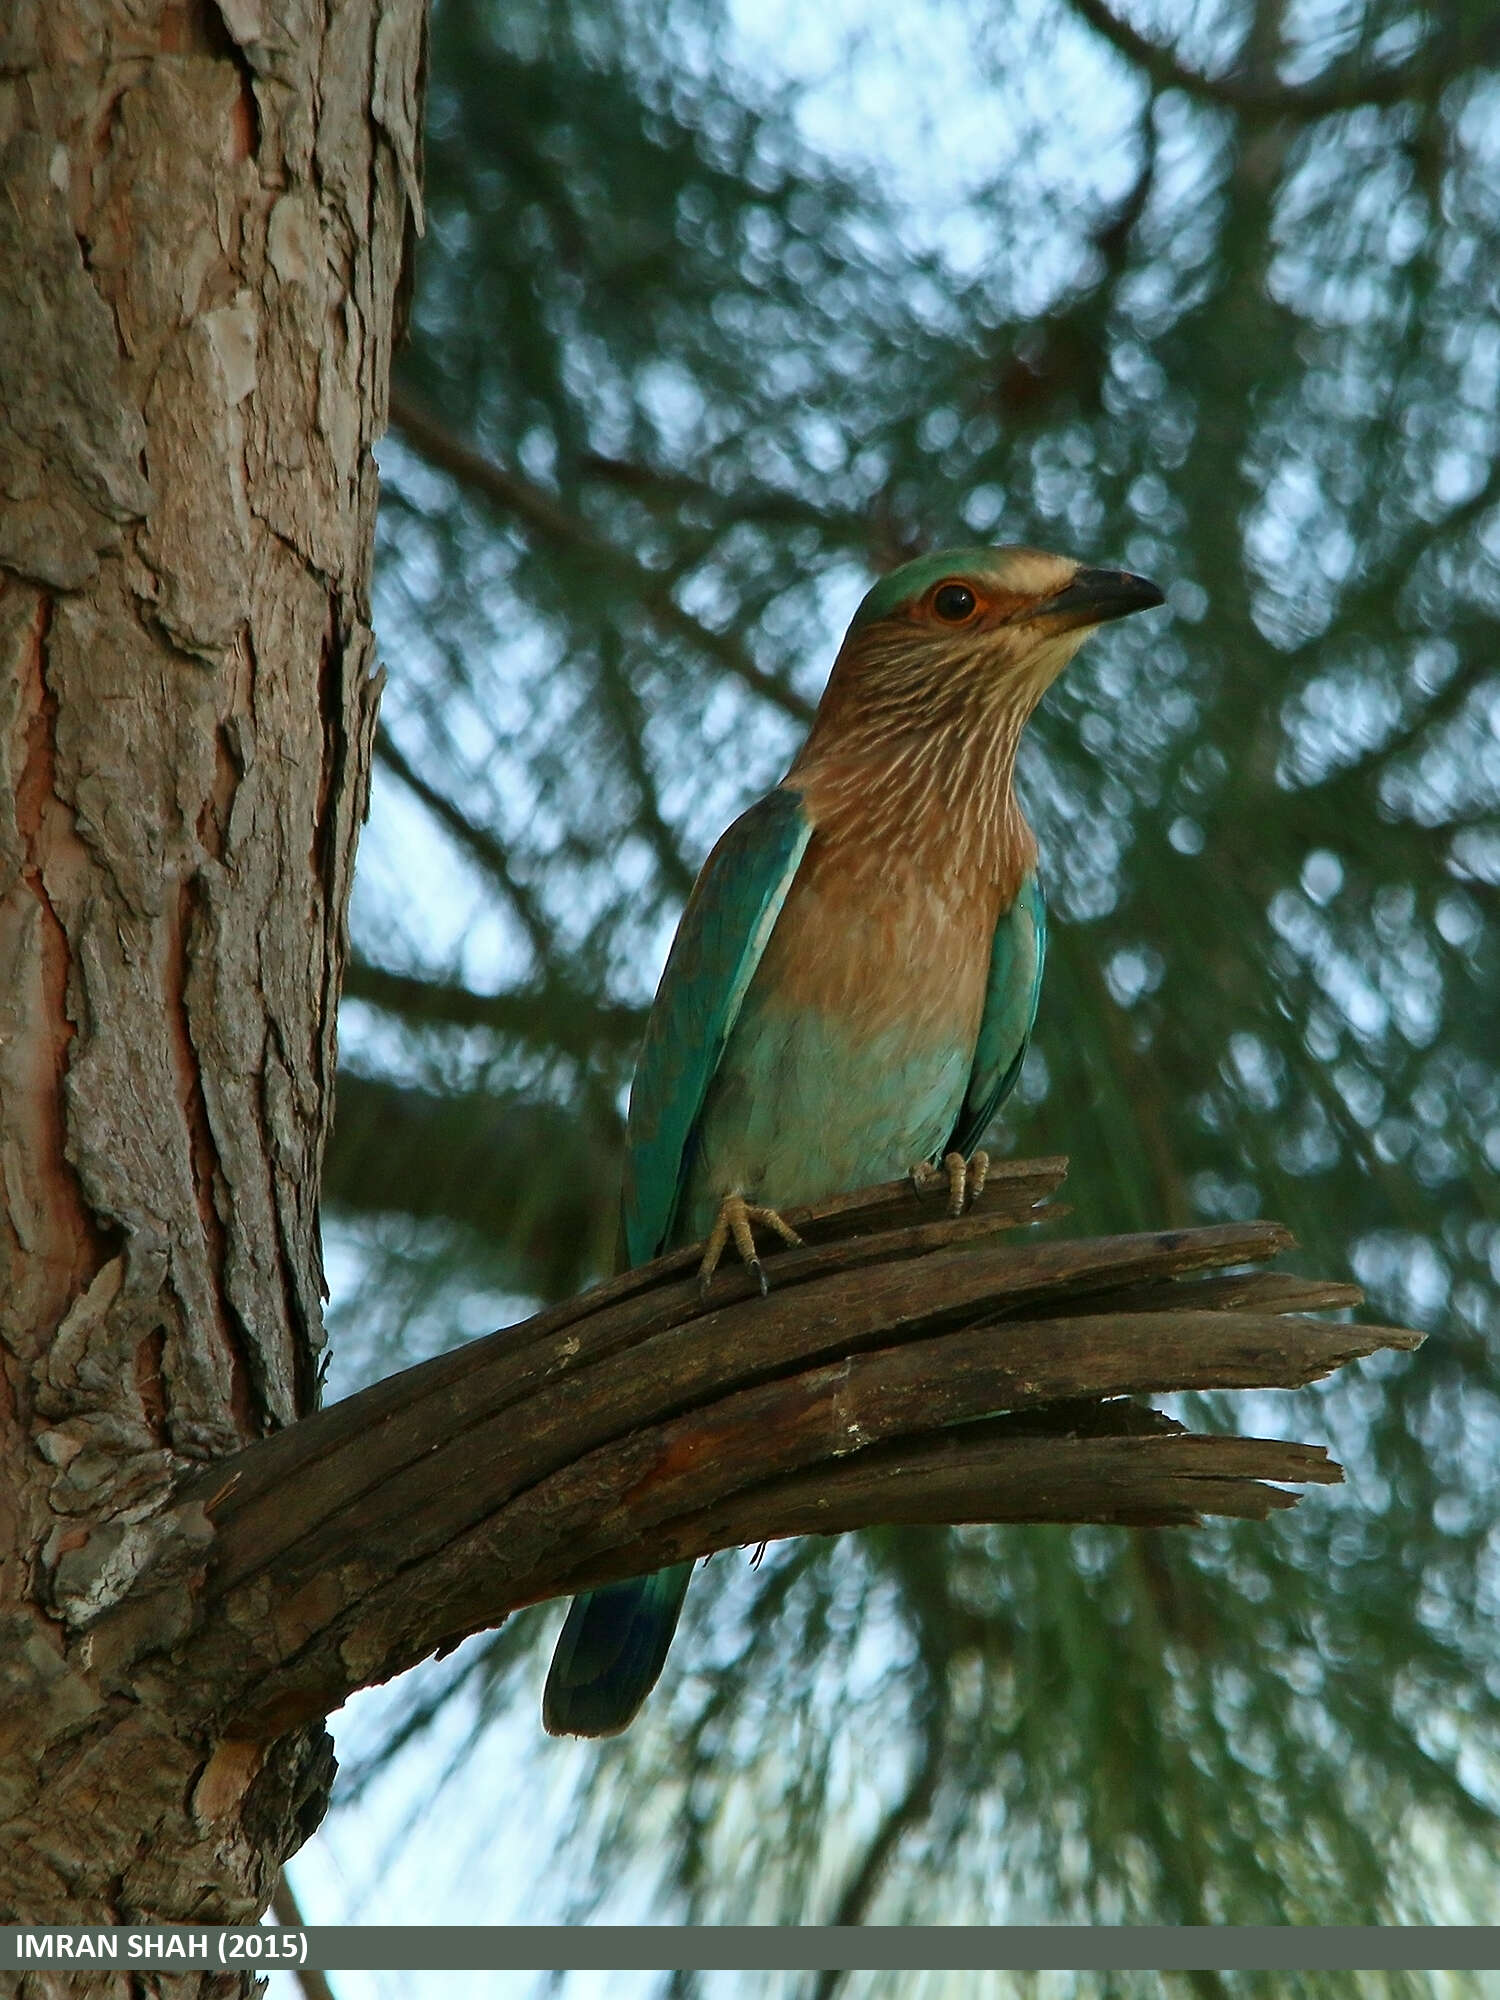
(965, 1178)
(733, 1222)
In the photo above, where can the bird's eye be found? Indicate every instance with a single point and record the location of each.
(953, 602)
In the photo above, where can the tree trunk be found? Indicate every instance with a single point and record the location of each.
(201, 243)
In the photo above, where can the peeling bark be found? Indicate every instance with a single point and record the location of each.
(200, 249)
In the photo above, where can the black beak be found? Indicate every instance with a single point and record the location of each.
(1096, 595)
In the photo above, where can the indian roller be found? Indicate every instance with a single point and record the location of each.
(852, 987)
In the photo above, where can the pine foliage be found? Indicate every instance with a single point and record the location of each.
(1218, 302)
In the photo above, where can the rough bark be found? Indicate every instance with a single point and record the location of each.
(200, 245)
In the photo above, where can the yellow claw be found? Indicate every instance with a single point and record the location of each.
(965, 1178)
(734, 1221)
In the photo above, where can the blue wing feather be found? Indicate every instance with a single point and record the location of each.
(729, 916)
(615, 1640)
(610, 1653)
(1015, 985)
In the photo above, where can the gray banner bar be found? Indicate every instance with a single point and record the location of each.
(742, 1948)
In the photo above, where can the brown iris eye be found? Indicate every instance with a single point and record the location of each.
(953, 601)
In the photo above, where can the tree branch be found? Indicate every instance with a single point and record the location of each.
(427, 434)
(638, 1425)
(744, 501)
(288, 1912)
(910, 1810)
(478, 842)
(1256, 93)
(549, 1016)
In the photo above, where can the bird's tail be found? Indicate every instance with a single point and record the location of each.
(611, 1649)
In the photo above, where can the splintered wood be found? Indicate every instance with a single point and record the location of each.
(906, 1367)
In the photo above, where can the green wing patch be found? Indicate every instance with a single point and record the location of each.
(1015, 986)
(729, 916)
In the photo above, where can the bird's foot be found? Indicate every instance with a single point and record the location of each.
(964, 1178)
(733, 1223)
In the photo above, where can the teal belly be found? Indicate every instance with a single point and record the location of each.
(797, 1111)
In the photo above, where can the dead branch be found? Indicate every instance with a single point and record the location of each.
(905, 1368)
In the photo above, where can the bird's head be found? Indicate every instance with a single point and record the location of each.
(971, 635)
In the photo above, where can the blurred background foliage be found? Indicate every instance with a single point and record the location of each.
(702, 340)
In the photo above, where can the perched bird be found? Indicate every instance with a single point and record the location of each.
(853, 984)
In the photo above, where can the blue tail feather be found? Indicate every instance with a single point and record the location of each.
(610, 1651)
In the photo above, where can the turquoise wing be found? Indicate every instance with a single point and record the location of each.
(1015, 985)
(729, 916)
